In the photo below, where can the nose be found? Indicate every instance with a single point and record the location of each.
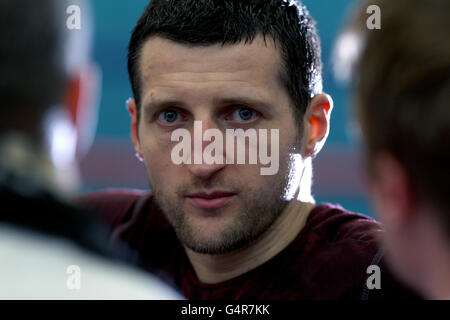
(208, 150)
(205, 171)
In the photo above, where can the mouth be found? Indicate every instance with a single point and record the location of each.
(210, 200)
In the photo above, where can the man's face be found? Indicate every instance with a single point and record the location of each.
(230, 87)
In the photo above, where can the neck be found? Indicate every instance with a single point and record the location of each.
(441, 288)
(21, 155)
(427, 263)
(61, 146)
(435, 278)
(219, 268)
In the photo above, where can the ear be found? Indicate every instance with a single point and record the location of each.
(132, 109)
(74, 97)
(392, 192)
(316, 124)
(81, 104)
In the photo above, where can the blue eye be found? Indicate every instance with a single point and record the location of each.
(169, 116)
(244, 114)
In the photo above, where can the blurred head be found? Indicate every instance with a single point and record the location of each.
(47, 84)
(402, 98)
(232, 65)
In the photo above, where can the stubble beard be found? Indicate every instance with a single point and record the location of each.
(260, 208)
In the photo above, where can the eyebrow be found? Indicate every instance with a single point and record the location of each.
(245, 100)
(239, 100)
(162, 103)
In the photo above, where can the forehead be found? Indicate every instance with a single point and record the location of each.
(165, 64)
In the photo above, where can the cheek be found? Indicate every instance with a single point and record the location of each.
(289, 151)
(382, 211)
(157, 158)
(289, 163)
(390, 238)
(155, 142)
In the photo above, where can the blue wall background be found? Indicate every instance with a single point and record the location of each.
(111, 162)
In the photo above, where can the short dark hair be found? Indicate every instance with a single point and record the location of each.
(34, 63)
(403, 92)
(207, 22)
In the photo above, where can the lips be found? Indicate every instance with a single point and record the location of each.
(212, 200)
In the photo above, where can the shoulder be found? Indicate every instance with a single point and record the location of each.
(41, 211)
(111, 198)
(114, 205)
(339, 247)
(348, 239)
(336, 224)
(134, 217)
(333, 252)
(55, 276)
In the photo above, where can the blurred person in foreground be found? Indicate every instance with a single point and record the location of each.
(50, 249)
(225, 230)
(401, 95)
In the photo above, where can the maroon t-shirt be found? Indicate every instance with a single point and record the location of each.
(327, 260)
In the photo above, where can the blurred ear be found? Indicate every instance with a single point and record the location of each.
(392, 193)
(132, 109)
(81, 103)
(316, 124)
(73, 97)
